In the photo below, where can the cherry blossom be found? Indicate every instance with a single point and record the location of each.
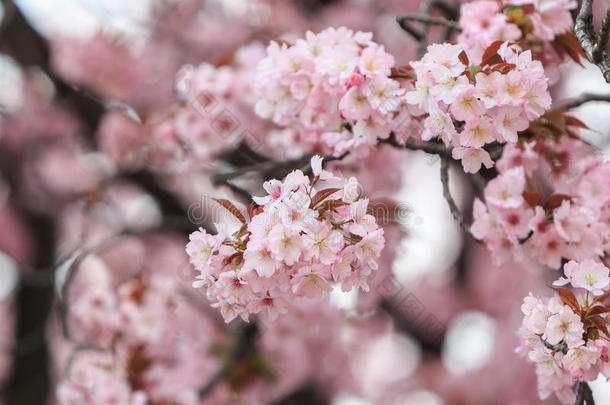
(299, 241)
(488, 100)
(566, 336)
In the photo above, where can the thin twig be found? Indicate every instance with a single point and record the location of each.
(582, 99)
(591, 43)
(455, 211)
(76, 261)
(271, 168)
(417, 144)
(427, 20)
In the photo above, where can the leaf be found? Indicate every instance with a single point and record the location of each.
(568, 298)
(600, 324)
(532, 198)
(332, 204)
(575, 122)
(231, 208)
(229, 259)
(250, 210)
(490, 56)
(555, 201)
(503, 67)
(402, 72)
(598, 310)
(464, 58)
(557, 118)
(568, 44)
(322, 195)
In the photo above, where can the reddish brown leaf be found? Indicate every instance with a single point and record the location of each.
(568, 298)
(402, 72)
(600, 324)
(332, 204)
(599, 309)
(250, 210)
(532, 198)
(230, 258)
(503, 67)
(231, 208)
(464, 58)
(575, 122)
(555, 201)
(322, 195)
(569, 45)
(491, 54)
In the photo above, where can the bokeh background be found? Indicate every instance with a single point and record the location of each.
(94, 197)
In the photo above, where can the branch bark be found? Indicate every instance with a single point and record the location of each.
(455, 211)
(583, 99)
(583, 394)
(426, 19)
(592, 43)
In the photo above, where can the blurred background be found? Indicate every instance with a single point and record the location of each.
(97, 199)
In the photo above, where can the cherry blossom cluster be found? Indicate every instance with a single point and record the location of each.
(296, 244)
(531, 23)
(214, 102)
(469, 106)
(333, 86)
(571, 222)
(566, 336)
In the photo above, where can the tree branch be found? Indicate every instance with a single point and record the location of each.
(591, 43)
(426, 20)
(583, 394)
(583, 99)
(455, 211)
(417, 144)
(423, 18)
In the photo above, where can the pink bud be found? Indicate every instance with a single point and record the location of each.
(355, 79)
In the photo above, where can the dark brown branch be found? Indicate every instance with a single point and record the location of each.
(269, 169)
(583, 99)
(424, 17)
(591, 43)
(402, 21)
(583, 394)
(417, 144)
(455, 211)
(602, 40)
(64, 295)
